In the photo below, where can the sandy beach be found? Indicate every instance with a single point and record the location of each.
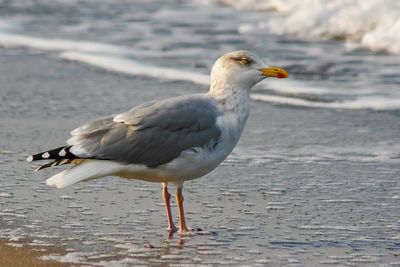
(314, 180)
(272, 201)
(21, 256)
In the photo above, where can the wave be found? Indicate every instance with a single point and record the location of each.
(14, 39)
(296, 87)
(109, 57)
(132, 67)
(365, 102)
(10, 39)
(120, 60)
(371, 23)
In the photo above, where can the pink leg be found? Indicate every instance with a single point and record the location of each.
(167, 197)
(179, 200)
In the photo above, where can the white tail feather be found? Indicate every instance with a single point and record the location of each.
(87, 170)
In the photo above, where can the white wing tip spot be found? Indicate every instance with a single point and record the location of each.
(29, 159)
(62, 153)
(46, 155)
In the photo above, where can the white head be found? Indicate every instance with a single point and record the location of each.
(241, 69)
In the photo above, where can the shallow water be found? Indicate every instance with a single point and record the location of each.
(308, 185)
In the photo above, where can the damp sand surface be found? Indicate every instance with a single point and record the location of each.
(314, 180)
(15, 254)
(304, 187)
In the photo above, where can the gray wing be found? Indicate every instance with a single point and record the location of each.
(152, 134)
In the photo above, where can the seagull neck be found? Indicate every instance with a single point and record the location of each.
(232, 98)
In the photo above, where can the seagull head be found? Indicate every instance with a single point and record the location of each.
(241, 69)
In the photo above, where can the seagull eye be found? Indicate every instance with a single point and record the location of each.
(244, 61)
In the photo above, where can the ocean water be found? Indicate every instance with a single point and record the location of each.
(373, 23)
(314, 180)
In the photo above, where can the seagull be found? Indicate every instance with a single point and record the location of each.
(168, 141)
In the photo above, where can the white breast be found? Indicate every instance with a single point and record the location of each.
(197, 162)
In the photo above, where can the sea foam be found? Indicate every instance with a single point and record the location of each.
(120, 59)
(132, 67)
(364, 102)
(106, 56)
(371, 23)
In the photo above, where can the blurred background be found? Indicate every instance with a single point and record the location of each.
(314, 179)
(344, 52)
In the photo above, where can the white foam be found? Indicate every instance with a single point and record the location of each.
(16, 40)
(386, 36)
(288, 86)
(9, 39)
(72, 257)
(366, 102)
(119, 59)
(105, 56)
(372, 23)
(132, 67)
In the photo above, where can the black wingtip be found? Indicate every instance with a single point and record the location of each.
(54, 154)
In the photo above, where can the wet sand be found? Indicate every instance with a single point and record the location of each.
(13, 256)
(298, 190)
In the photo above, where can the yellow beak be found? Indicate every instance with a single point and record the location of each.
(274, 72)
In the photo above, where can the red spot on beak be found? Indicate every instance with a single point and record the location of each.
(281, 75)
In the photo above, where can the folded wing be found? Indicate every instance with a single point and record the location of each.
(151, 134)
